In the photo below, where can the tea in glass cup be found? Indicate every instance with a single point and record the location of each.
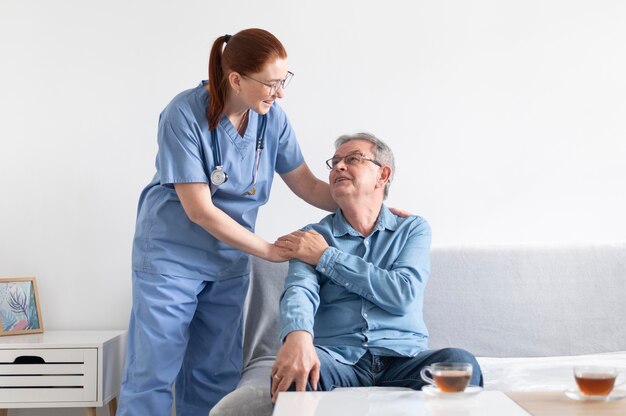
(448, 377)
(595, 380)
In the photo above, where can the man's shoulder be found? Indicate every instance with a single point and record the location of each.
(325, 224)
(414, 220)
(416, 224)
(411, 222)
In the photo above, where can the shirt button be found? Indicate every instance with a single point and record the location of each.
(347, 284)
(366, 242)
(365, 344)
(364, 314)
(323, 269)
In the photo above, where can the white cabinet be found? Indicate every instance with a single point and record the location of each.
(61, 369)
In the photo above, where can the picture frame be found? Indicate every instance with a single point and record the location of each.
(20, 311)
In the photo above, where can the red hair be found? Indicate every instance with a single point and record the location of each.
(246, 52)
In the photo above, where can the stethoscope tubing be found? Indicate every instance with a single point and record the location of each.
(217, 154)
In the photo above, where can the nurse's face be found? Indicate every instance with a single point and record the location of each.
(261, 89)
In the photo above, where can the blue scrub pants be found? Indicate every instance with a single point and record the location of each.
(186, 330)
(377, 370)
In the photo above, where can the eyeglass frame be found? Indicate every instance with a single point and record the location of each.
(283, 83)
(362, 156)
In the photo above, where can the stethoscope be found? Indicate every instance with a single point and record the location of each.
(219, 176)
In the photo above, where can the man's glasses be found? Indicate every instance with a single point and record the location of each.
(276, 85)
(351, 159)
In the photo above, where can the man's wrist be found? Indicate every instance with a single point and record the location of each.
(299, 336)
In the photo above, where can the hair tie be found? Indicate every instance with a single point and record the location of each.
(227, 38)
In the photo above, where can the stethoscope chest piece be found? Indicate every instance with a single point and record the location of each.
(218, 176)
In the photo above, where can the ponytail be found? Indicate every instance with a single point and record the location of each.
(217, 83)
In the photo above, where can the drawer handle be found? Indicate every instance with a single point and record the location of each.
(29, 359)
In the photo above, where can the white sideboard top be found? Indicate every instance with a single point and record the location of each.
(60, 339)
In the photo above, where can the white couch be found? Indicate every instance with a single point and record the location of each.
(529, 313)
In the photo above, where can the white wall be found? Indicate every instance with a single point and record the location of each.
(507, 119)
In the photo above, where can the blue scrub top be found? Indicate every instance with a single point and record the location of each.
(166, 241)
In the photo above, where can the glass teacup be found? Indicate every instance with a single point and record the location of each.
(595, 381)
(448, 377)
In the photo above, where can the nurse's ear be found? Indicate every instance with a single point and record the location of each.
(234, 80)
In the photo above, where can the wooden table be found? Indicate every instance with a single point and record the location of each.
(556, 404)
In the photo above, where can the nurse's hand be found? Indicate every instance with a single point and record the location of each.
(296, 362)
(307, 246)
(277, 254)
(400, 212)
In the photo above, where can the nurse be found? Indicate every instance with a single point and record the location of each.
(219, 146)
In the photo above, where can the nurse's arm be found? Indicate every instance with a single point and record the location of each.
(198, 205)
(314, 191)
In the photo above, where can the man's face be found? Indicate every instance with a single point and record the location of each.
(355, 174)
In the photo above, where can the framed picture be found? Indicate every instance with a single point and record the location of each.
(19, 306)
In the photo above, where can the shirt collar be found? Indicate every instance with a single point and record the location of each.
(386, 220)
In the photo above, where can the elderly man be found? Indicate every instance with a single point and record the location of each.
(351, 310)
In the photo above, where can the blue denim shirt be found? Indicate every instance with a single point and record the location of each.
(366, 293)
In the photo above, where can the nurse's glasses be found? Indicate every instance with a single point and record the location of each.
(276, 85)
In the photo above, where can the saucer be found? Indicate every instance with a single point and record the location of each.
(433, 391)
(575, 394)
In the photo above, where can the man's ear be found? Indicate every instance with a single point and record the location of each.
(385, 176)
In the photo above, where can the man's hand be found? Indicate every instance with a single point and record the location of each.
(296, 362)
(307, 246)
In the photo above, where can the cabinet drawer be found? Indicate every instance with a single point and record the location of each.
(48, 375)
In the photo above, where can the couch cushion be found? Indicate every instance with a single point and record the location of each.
(524, 301)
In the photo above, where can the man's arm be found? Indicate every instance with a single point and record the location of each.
(392, 289)
(297, 361)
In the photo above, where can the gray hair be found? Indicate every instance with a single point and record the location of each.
(382, 152)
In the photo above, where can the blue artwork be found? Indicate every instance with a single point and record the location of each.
(18, 306)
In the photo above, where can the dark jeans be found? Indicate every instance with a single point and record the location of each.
(375, 370)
